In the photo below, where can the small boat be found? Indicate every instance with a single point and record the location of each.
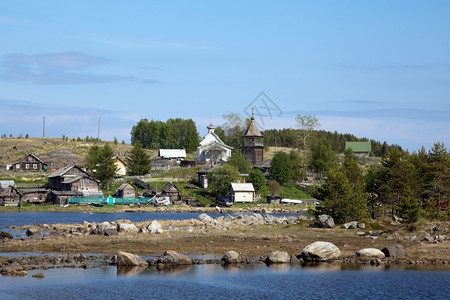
(97, 204)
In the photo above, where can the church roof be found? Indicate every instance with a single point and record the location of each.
(252, 129)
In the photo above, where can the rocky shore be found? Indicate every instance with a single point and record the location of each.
(242, 239)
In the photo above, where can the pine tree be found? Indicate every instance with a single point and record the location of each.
(138, 161)
(106, 168)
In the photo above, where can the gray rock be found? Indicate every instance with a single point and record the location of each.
(395, 251)
(5, 235)
(231, 257)
(320, 251)
(370, 252)
(326, 221)
(102, 228)
(361, 225)
(278, 257)
(204, 217)
(294, 260)
(155, 227)
(174, 258)
(129, 259)
(350, 225)
(32, 231)
(126, 227)
(111, 232)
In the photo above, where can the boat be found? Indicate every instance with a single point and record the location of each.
(97, 204)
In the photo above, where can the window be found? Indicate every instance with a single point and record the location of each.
(27, 166)
(34, 166)
(18, 166)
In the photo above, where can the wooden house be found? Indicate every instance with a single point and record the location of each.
(10, 196)
(126, 190)
(242, 192)
(121, 166)
(38, 195)
(359, 148)
(171, 191)
(72, 178)
(30, 162)
(203, 176)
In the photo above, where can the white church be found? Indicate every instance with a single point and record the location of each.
(212, 150)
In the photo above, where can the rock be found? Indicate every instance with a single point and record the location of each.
(38, 275)
(278, 257)
(231, 257)
(32, 231)
(428, 238)
(129, 259)
(204, 217)
(350, 225)
(361, 233)
(5, 235)
(326, 221)
(111, 232)
(320, 251)
(361, 225)
(174, 258)
(370, 252)
(125, 227)
(155, 227)
(105, 227)
(294, 260)
(395, 251)
(440, 238)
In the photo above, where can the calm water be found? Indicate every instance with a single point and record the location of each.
(217, 282)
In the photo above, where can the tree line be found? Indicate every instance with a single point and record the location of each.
(173, 134)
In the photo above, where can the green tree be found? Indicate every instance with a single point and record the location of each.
(439, 174)
(256, 177)
(372, 189)
(281, 168)
(220, 178)
(106, 168)
(322, 157)
(138, 161)
(307, 124)
(299, 170)
(239, 161)
(409, 208)
(92, 158)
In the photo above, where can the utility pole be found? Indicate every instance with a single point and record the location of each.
(98, 131)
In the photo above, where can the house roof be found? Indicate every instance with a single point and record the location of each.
(34, 156)
(172, 153)
(8, 191)
(118, 159)
(64, 170)
(5, 183)
(124, 185)
(242, 187)
(168, 187)
(359, 146)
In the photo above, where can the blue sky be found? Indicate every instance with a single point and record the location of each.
(376, 69)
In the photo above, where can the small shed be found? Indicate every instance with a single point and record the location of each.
(10, 197)
(171, 191)
(242, 192)
(359, 148)
(203, 176)
(126, 190)
(62, 197)
(38, 195)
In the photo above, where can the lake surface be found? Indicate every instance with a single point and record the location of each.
(255, 281)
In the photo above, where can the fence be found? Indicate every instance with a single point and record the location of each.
(109, 200)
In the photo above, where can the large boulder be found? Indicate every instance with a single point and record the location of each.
(129, 259)
(395, 251)
(174, 258)
(5, 235)
(326, 221)
(278, 257)
(370, 252)
(155, 227)
(231, 257)
(105, 228)
(126, 227)
(204, 217)
(320, 251)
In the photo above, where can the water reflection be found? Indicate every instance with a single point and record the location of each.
(130, 270)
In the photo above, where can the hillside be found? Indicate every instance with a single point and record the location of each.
(55, 151)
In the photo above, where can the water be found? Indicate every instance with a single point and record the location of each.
(256, 281)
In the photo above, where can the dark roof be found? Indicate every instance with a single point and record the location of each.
(124, 185)
(35, 157)
(67, 193)
(8, 190)
(26, 191)
(167, 188)
(64, 170)
(252, 129)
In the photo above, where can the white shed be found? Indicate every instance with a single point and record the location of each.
(242, 192)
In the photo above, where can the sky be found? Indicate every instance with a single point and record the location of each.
(375, 69)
